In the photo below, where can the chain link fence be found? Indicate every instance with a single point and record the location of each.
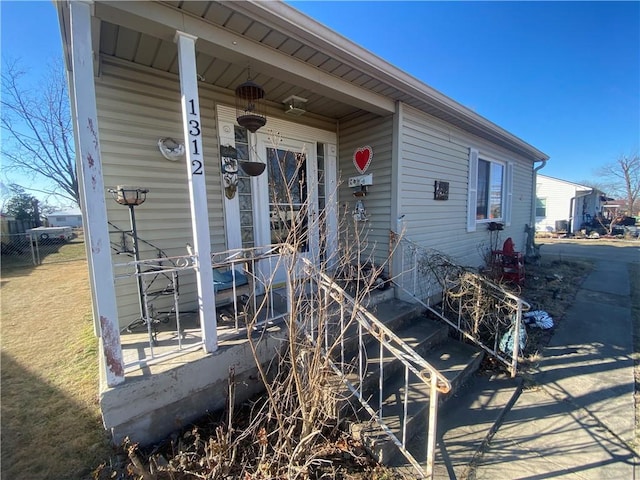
(26, 250)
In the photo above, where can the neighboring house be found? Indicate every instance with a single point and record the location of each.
(66, 218)
(144, 71)
(563, 206)
(615, 207)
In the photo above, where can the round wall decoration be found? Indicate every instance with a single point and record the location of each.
(170, 149)
(362, 158)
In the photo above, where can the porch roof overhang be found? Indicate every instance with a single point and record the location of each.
(288, 53)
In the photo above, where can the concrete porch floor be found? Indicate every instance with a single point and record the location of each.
(172, 348)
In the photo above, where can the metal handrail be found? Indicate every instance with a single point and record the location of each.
(367, 323)
(515, 304)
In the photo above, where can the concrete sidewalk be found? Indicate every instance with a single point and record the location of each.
(577, 419)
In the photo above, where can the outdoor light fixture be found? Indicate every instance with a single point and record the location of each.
(132, 197)
(129, 196)
(250, 106)
(294, 105)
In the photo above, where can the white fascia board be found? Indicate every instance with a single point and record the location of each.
(298, 25)
(578, 187)
(65, 31)
(162, 21)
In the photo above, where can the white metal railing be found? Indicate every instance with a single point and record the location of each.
(251, 305)
(330, 323)
(261, 292)
(156, 278)
(484, 311)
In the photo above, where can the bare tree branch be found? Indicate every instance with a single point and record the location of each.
(38, 129)
(624, 175)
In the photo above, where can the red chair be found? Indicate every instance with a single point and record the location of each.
(508, 264)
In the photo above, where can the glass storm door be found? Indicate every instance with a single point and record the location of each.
(288, 199)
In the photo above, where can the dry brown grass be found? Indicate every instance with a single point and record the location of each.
(51, 427)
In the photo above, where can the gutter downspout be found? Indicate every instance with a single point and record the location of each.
(531, 250)
(572, 214)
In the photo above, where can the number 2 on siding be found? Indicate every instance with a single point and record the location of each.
(197, 167)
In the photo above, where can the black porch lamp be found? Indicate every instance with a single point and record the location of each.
(132, 197)
(250, 107)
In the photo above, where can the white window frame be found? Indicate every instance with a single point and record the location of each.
(543, 201)
(472, 200)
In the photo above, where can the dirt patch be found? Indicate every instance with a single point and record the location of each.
(551, 286)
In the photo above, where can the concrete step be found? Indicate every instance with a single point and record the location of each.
(372, 297)
(421, 335)
(393, 313)
(455, 360)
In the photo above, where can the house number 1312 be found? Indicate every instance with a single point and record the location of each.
(195, 132)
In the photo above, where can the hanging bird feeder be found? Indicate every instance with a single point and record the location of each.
(250, 106)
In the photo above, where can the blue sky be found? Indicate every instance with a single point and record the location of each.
(29, 32)
(563, 76)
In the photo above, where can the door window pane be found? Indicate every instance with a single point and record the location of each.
(288, 202)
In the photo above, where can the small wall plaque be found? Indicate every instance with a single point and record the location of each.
(441, 190)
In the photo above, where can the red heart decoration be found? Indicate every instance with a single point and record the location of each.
(362, 158)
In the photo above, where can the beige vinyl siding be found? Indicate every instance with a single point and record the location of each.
(135, 109)
(376, 132)
(432, 150)
(523, 202)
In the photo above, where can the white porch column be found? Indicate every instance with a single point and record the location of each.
(88, 155)
(197, 186)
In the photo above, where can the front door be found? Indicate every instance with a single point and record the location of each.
(287, 210)
(297, 191)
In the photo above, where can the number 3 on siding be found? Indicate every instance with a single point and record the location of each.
(194, 131)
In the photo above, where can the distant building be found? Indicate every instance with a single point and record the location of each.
(616, 207)
(563, 206)
(65, 218)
